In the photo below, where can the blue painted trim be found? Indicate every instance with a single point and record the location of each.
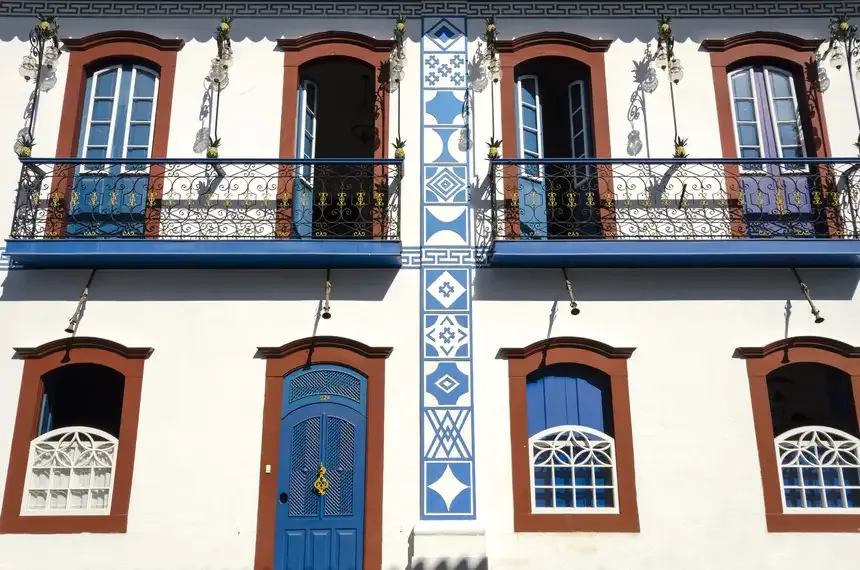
(692, 161)
(676, 253)
(199, 254)
(240, 161)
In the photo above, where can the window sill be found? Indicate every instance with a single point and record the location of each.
(801, 522)
(63, 524)
(597, 522)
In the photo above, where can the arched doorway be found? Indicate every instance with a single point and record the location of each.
(321, 469)
(324, 407)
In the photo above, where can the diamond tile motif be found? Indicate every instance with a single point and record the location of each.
(445, 184)
(447, 384)
(446, 289)
(444, 36)
(446, 336)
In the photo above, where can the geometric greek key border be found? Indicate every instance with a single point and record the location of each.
(252, 9)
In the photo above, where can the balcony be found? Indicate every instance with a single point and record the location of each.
(675, 213)
(213, 213)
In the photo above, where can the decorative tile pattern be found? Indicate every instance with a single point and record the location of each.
(446, 290)
(448, 260)
(445, 185)
(427, 8)
(449, 489)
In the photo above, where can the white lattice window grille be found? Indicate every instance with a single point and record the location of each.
(819, 469)
(70, 471)
(573, 471)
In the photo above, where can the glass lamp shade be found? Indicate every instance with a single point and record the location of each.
(676, 71)
(662, 58)
(494, 70)
(52, 54)
(397, 75)
(27, 69)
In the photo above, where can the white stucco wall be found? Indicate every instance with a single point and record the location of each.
(194, 495)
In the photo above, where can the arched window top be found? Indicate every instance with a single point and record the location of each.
(325, 382)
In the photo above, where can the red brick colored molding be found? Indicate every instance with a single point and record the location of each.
(304, 353)
(39, 361)
(760, 362)
(794, 54)
(110, 37)
(82, 342)
(591, 54)
(84, 54)
(336, 37)
(611, 361)
(755, 38)
(302, 50)
(560, 39)
(837, 347)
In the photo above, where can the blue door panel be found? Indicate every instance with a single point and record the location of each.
(294, 549)
(346, 550)
(323, 424)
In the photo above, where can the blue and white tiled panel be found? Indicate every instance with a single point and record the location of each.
(445, 133)
(448, 440)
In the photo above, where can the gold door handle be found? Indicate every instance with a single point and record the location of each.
(321, 483)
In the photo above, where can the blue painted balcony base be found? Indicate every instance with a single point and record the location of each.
(203, 254)
(676, 253)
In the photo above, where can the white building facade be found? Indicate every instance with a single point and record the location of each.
(429, 285)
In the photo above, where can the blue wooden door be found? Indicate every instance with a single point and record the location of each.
(321, 471)
(109, 200)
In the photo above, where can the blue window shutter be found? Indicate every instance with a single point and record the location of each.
(532, 185)
(46, 418)
(581, 399)
(306, 123)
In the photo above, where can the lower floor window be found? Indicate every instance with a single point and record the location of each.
(573, 467)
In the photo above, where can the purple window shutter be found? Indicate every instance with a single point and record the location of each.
(765, 118)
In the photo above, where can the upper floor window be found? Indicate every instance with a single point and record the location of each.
(336, 199)
(766, 113)
(572, 451)
(109, 200)
(554, 120)
(119, 112)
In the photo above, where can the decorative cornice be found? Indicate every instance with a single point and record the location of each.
(109, 37)
(814, 342)
(557, 38)
(335, 37)
(567, 342)
(757, 38)
(75, 343)
(312, 343)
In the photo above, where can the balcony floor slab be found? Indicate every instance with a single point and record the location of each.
(622, 253)
(203, 254)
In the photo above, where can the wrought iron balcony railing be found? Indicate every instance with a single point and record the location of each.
(675, 199)
(212, 199)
